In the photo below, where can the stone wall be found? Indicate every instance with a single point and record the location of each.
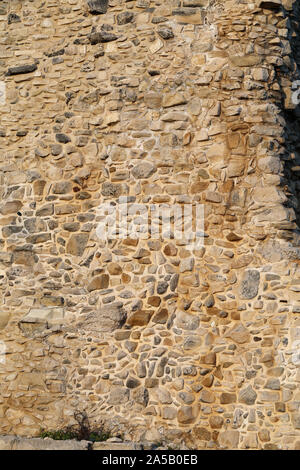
(161, 102)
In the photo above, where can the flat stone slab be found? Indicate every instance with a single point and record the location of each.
(35, 443)
(116, 446)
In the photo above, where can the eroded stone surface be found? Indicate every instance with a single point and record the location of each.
(160, 103)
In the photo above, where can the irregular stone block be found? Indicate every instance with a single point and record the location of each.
(246, 61)
(102, 37)
(10, 207)
(118, 396)
(250, 284)
(13, 18)
(20, 69)
(4, 319)
(227, 398)
(187, 321)
(125, 17)
(111, 190)
(98, 7)
(46, 315)
(77, 244)
(98, 283)
(24, 256)
(143, 170)
(239, 334)
(173, 99)
(248, 396)
(187, 415)
(39, 238)
(62, 138)
(35, 224)
(35, 443)
(106, 319)
(216, 422)
(140, 318)
(153, 100)
(229, 439)
(165, 32)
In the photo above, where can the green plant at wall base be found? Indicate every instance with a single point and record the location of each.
(64, 435)
(81, 432)
(60, 435)
(99, 436)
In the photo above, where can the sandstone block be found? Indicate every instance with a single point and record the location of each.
(229, 439)
(98, 283)
(187, 415)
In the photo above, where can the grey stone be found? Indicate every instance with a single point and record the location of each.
(174, 282)
(39, 238)
(77, 243)
(141, 396)
(102, 37)
(248, 396)
(187, 264)
(125, 17)
(35, 443)
(118, 396)
(273, 384)
(20, 69)
(162, 287)
(164, 396)
(97, 7)
(34, 225)
(187, 321)
(250, 284)
(210, 301)
(45, 210)
(111, 190)
(56, 149)
(192, 342)
(62, 138)
(143, 170)
(273, 250)
(13, 18)
(132, 382)
(165, 32)
(62, 187)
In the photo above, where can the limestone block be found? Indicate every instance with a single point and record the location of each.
(108, 318)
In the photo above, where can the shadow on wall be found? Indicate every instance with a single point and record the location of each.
(291, 115)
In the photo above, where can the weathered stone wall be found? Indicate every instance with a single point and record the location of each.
(165, 101)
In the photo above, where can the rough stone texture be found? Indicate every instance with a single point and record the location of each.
(161, 102)
(19, 443)
(23, 443)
